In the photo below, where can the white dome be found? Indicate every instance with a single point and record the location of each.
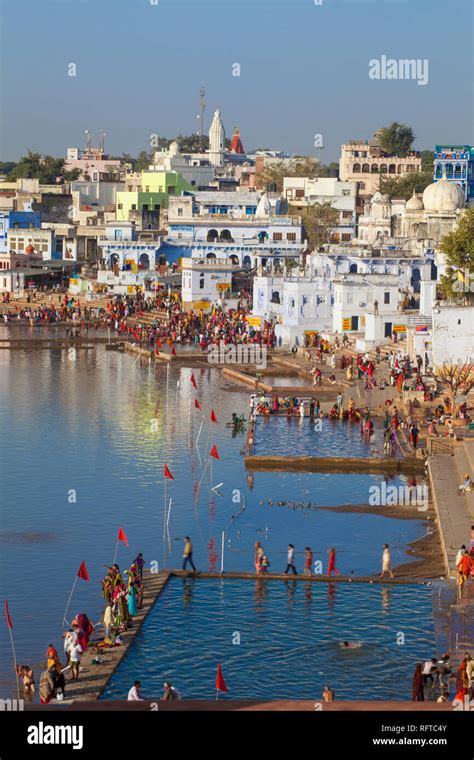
(264, 208)
(443, 195)
(414, 203)
(377, 197)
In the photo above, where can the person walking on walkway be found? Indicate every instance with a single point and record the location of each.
(188, 553)
(291, 560)
(259, 554)
(386, 562)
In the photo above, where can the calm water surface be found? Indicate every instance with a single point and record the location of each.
(82, 451)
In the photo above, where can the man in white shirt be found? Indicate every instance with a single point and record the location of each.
(134, 695)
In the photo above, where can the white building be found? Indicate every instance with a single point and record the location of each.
(357, 295)
(302, 191)
(196, 169)
(233, 224)
(205, 281)
(452, 334)
(123, 247)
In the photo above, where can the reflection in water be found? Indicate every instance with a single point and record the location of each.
(308, 594)
(290, 588)
(385, 598)
(188, 588)
(331, 595)
(261, 593)
(212, 556)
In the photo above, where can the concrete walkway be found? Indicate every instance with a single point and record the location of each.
(455, 513)
(93, 678)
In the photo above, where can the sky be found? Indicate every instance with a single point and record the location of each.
(304, 71)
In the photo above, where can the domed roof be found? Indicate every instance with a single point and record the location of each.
(29, 248)
(414, 203)
(378, 197)
(443, 195)
(264, 208)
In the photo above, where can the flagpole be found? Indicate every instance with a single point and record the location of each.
(70, 597)
(15, 665)
(164, 521)
(222, 553)
(116, 550)
(199, 434)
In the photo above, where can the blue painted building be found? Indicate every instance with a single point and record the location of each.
(457, 163)
(20, 220)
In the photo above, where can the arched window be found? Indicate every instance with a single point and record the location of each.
(226, 236)
(457, 171)
(411, 168)
(392, 169)
(374, 168)
(449, 170)
(275, 296)
(353, 269)
(399, 169)
(247, 261)
(212, 236)
(383, 168)
(439, 171)
(356, 169)
(210, 255)
(144, 261)
(234, 259)
(365, 168)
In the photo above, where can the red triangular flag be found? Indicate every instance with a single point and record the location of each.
(173, 350)
(220, 683)
(122, 537)
(7, 613)
(197, 405)
(168, 473)
(214, 452)
(193, 380)
(82, 572)
(213, 416)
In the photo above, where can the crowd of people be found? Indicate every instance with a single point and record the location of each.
(437, 680)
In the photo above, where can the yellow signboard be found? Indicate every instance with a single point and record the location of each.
(201, 304)
(254, 321)
(399, 328)
(346, 324)
(223, 286)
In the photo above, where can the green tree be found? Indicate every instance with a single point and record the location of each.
(47, 169)
(403, 187)
(319, 220)
(6, 167)
(273, 173)
(397, 139)
(458, 247)
(144, 160)
(427, 161)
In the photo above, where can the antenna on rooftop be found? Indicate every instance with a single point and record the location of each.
(202, 108)
(102, 140)
(88, 140)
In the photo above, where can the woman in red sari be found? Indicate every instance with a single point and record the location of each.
(418, 693)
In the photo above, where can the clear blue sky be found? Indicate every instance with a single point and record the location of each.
(304, 70)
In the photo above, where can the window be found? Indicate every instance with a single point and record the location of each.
(291, 236)
(299, 193)
(201, 282)
(147, 189)
(346, 193)
(145, 207)
(346, 237)
(347, 214)
(180, 212)
(386, 297)
(171, 190)
(277, 236)
(134, 206)
(120, 205)
(350, 297)
(156, 207)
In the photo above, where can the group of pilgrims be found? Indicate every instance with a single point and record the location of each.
(123, 599)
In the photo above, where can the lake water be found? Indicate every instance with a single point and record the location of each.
(290, 635)
(83, 445)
